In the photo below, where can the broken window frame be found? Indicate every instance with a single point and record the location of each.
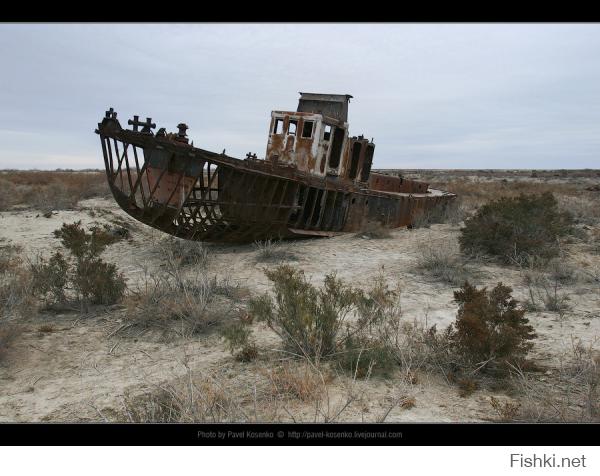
(327, 133)
(354, 160)
(337, 148)
(293, 122)
(312, 128)
(278, 121)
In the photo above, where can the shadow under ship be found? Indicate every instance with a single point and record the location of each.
(315, 179)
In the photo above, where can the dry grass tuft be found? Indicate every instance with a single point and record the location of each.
(183, 252)
(16, 284)
(188, 400)
(273, 251)
(443, 262)
(296, 381)
(568, 395)
(179, 303)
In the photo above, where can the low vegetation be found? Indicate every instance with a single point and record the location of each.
(307, 319)
(183, 252)
(239, 340)
(442, 261)
(47, 191)
(15, 285)
(180, 302)
(511, 229)
(83, 277)
(490, 331)
(569, 395)
(273, 251)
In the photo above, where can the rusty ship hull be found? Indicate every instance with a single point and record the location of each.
(167, 183)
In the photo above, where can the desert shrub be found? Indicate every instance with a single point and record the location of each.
(93, 279)
(366, 349)
(511, 228)
(362, 357)
(238, 340)
(51, 278)
(307, 319)
(490, 330)
(313, 323)
(269, 250)
(99, 282)
(374, 230)
(90, 279)
(84, 245)
(442, 262)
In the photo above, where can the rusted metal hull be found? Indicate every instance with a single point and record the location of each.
(200, 195)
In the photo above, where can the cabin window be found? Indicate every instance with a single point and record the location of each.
(327, 133)
(278, 126)
(336, 148)
(307, 129)
(366, 169)
(292, 126)
(356, 149)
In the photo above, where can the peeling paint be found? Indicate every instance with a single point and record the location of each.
(315, 179)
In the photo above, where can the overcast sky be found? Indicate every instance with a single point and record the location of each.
(431, 95)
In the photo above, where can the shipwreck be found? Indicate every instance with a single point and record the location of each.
(315, 179)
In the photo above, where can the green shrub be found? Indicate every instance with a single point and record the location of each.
(86, 274)
(238, 340)
(307, 319)
(98, 282)
(512, 228)
(362, 357)
(490, 330)
(51, 278)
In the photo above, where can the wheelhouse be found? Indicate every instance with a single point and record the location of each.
(315, 139)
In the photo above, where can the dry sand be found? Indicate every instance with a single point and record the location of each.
(80, 371)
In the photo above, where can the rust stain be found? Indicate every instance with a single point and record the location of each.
(315, 179)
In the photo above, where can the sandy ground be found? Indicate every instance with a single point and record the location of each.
(81, 370)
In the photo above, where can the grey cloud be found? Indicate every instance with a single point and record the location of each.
(455, 95)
